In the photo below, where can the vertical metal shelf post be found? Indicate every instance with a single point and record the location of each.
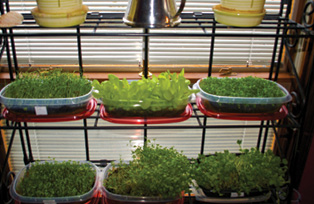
(81, 70)
(6, 43)
(203, 135)
(210, 64)
(26, 161)
(145, 55)
(145, 52)
(30, 153)
(8, 152)
(212, 47)
(86, 139)
(7, 48)
(79, 51)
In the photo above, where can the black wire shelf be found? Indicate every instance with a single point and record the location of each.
(98, 24)
(280, 28)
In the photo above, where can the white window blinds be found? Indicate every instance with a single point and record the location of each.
(112, 144)
(102, 51)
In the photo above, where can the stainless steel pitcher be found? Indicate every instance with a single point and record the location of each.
(153, 13)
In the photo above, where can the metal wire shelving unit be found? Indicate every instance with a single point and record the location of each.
(97, 23)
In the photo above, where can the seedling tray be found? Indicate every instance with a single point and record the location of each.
(137, 108)
(112, 198)
(232, 194)
(282, 113)
(90, 197)
(247, 105)
(89, 109)
(200, 196)
(182, 116)
(41, 107)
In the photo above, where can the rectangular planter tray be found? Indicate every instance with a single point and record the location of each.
(225, 104)
(53, 106)
(136, 108)
(200, 196)
(91, 197)
(111, 198)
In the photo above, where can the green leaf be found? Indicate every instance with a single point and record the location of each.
(168, 95)
(146, 103)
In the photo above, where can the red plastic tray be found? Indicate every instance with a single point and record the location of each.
(95, 199)
(90, 109)
(243, 116)
(149, 120)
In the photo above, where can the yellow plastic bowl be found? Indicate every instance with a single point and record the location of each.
(241, 5)
(60, 6)
(237, 18)
(60, 19)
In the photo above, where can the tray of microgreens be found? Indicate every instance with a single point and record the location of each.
(50, 92)
(246, 177)
(165, 95)
(156, 174)
(56, 182)
(241, 95)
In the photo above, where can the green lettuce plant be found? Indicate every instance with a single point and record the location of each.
(163, 92)
(154, 171)
(249, 171)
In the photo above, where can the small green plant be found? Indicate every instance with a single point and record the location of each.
(48, 84)
(250, 170)
(57, 179)
(241, 87)
(167, 91)
(154, 171)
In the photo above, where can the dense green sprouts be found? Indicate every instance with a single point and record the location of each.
(241, 87)
(48, 84)
(57, 179)
(251, 170)
(154, 171)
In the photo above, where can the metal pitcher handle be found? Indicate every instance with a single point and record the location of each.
(180, 8)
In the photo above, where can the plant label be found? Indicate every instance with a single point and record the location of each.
(41, 110)
(49, 202)
(236, 195)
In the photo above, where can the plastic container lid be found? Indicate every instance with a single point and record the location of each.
(200, 196)
(282, 113)
(8, 102)
(131, 199)
(146, 120)
(90, 109)
(244, 100)
(45, 106)
(80, 198)
(151, 104)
